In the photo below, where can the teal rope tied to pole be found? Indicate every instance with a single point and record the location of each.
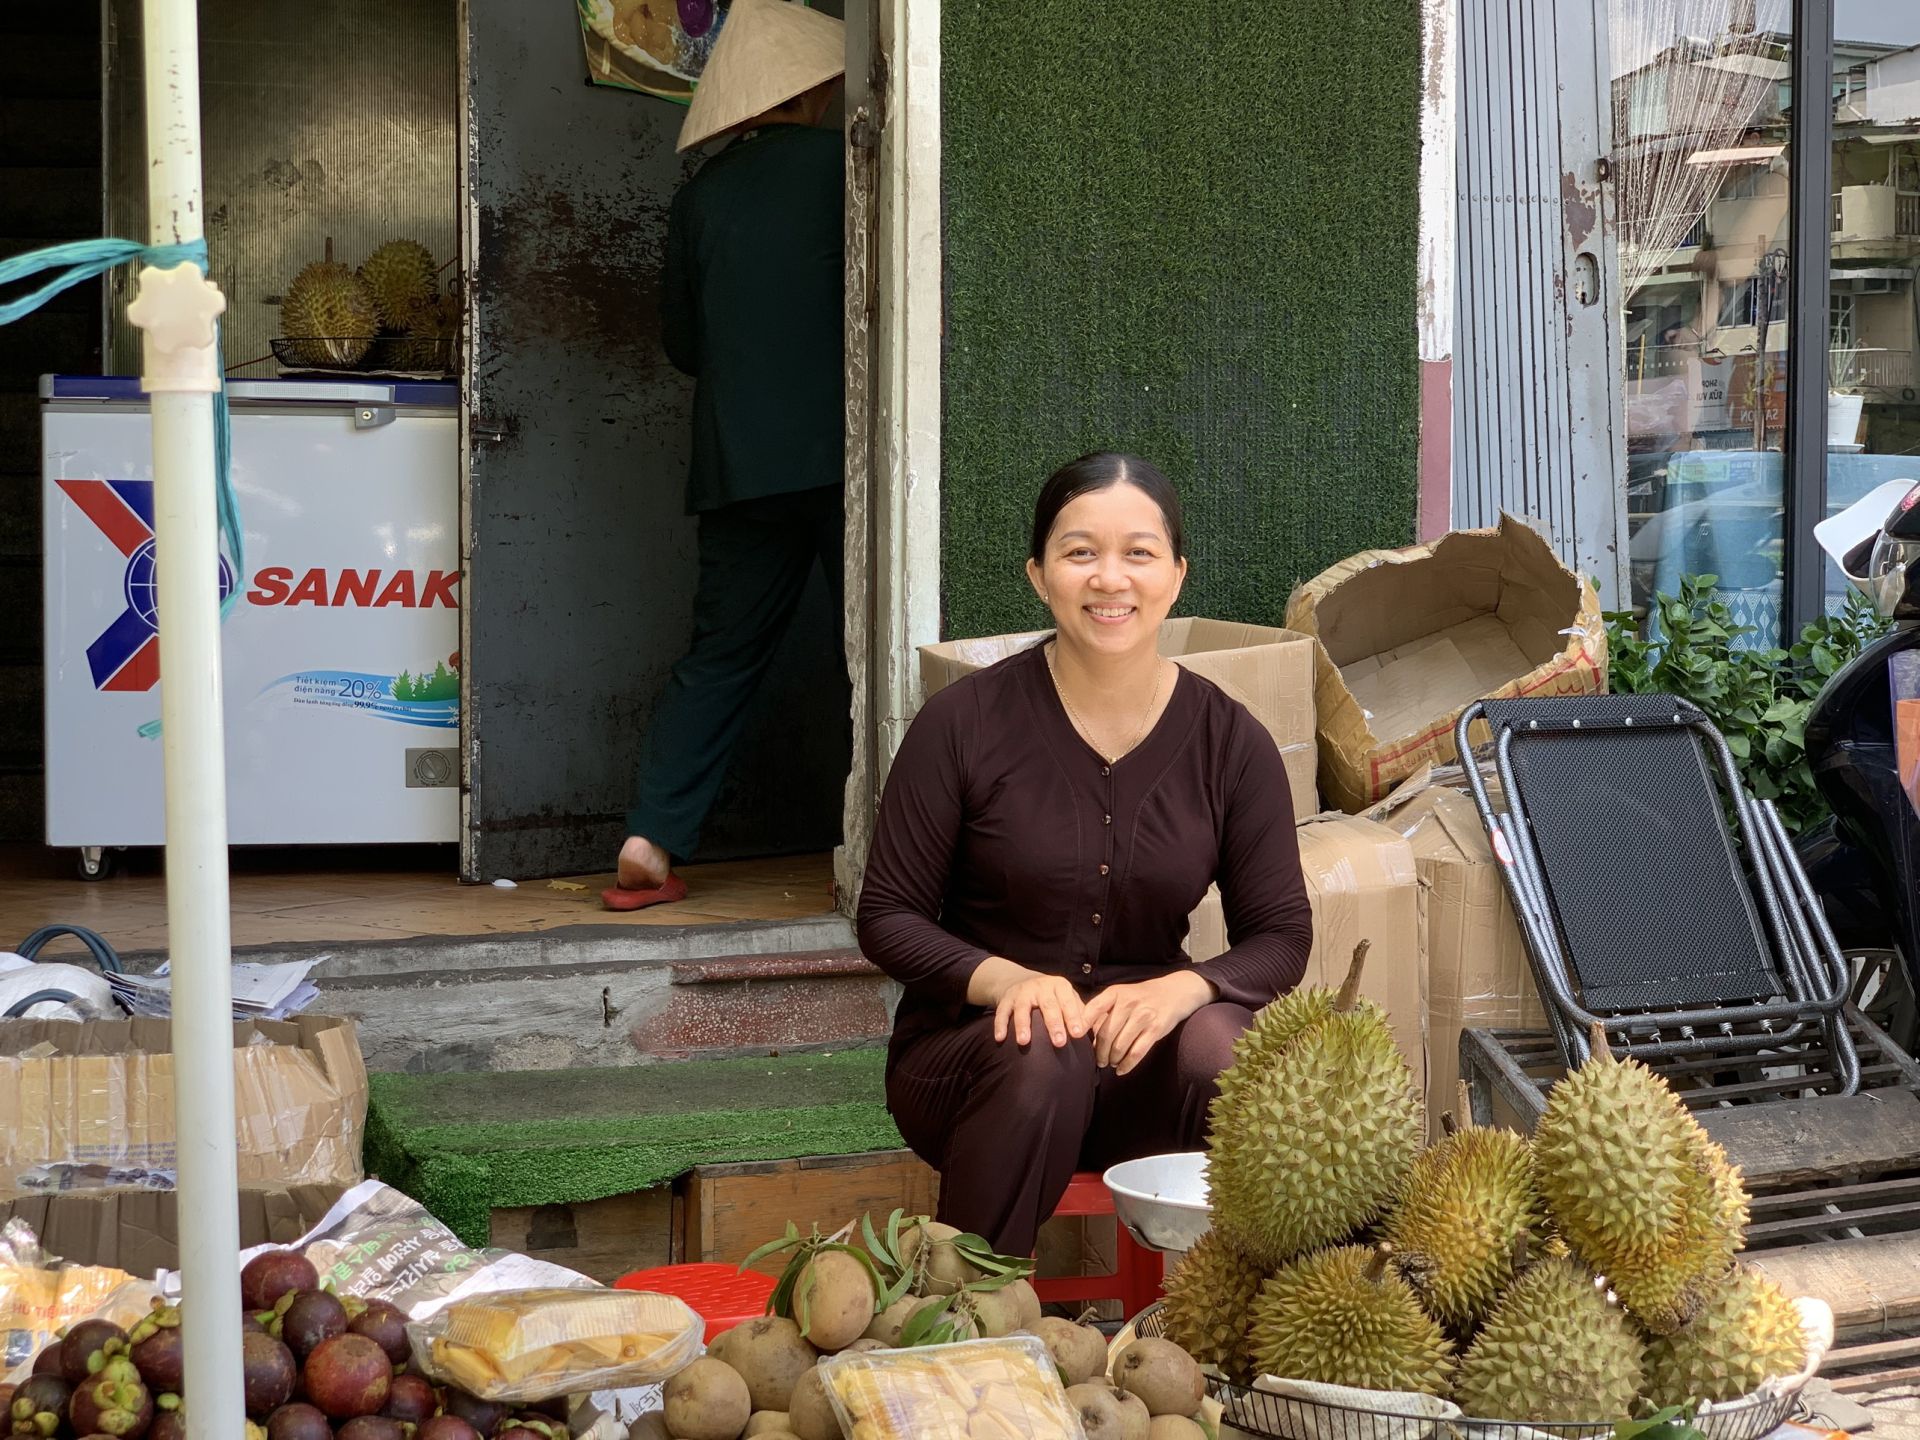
(79, 261)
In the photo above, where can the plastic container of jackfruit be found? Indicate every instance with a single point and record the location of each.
(974, 1390)
(525, 1346)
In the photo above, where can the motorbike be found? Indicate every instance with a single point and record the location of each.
(1864, 863)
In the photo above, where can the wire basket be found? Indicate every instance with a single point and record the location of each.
(1285, 1417)
(387, 354)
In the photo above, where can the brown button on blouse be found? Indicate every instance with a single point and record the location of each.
(1002, 832)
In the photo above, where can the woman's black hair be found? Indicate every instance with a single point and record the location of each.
(1102, 470)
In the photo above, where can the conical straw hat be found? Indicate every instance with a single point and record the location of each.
(768, 52)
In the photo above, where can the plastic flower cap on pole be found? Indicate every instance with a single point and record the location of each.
(176, 312)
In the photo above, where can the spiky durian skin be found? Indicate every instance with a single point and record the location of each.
(423, 347)
(1325, 1318)
(1669, 1288)
(1209, 1305)
(329, 313)
(1611, 1158)
(1554, 1349)
(1748, 1332)
(1466, 1202)
(400, 277)
(1317, 1145)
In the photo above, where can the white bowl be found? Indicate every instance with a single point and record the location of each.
(1162, 1199)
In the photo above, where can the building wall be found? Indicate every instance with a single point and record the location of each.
(1191, 233)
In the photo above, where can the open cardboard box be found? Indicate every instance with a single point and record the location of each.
(1270, 671)
(1412, 637)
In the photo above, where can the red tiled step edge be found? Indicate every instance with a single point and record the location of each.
(802, 965)
(755, 1004)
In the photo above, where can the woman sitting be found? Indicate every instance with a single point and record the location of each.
(1049, 824)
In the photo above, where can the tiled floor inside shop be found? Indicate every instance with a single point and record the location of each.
(332, 896)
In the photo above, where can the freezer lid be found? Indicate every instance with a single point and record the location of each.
(425, 394)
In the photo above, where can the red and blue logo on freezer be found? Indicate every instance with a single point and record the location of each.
(126, 656)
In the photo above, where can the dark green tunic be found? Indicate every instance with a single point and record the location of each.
(753, 310)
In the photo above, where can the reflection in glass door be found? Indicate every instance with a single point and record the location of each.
(1701, 104)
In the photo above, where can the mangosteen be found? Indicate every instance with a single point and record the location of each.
(87, 1348)
(268, 1369)
(298, 1422)
(308, 1317)
(47, 1362)
(560, 1408)
(410, 1399)
(40, 1405)
(252, 1324)
(486, 1416)
(371, 1427)
(168, 1425)
(519, 1432)
(271, 1274)
(446, 1427)
(386, 1326)
(348, 1376)
(114, 1402)
(154, 1348)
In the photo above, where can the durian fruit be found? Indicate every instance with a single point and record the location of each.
(1749, 1332)
(1613, 1155)
(1319, 1142)
(400, 276)
(1209, 1304)
(423, 347)
(329, 313)
(1468, 1200)
(1345, 1317)
(1554, 1349)
(1667, 1289)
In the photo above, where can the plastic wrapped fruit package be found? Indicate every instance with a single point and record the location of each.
(977, 1390)
(531, 1345)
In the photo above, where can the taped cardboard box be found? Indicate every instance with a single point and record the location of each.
(138, 1231)
(1363, 885)
(1270, 671)
(99, 1095)
(1411, 637)
(1478, 975)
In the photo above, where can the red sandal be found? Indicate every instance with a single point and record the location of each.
(620, 897)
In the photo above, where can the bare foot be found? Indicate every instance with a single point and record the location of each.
(643, 865)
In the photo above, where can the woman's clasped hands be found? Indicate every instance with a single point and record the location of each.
(1125, 1021)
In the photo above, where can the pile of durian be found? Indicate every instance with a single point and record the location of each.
(1587, 1275)
(332, 315)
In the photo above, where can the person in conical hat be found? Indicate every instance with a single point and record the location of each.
(753, 308)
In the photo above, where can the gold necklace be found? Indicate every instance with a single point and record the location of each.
(1086, 733)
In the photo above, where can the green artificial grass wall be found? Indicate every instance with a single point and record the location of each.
(1188, 231)
(466, 1144)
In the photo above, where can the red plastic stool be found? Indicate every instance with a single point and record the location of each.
(718, 1294)
(1136, 1281)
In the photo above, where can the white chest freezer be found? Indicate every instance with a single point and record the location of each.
(341, 656)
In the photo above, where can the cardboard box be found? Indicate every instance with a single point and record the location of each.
(1269, 671)
(1478, 975)
(138, 1231)
(1411, 637)
(100, 1093)
(1363, 884)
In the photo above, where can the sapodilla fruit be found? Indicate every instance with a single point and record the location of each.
(887, 1325)
(770, 1355)
(1163, 1375)
(1209, 1305)
(1613, 1156)
(1174, 1427)
(766, 1422)
(1554, 1349)
(942, 1269)
(707, 1401)
(1344, 1317)
(810, 1413)
(1079, 1351)
(1319, 1143)
(1668, 1289)
(1109, 1413)
(835, 1292)
(1467, 1201)
(1748, 1332)
(1013, 1306)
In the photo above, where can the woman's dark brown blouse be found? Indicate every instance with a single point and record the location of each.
(1002, 832)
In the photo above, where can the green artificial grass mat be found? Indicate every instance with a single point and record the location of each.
(467, 1144)
(1188, 231)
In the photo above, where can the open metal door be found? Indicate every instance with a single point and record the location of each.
(1538, 392)
(578, 562)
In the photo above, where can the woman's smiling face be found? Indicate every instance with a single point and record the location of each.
(1109, 574)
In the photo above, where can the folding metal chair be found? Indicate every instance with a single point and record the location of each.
(1641, 908)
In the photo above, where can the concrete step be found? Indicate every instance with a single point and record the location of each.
(768, 1004)
(576, 998)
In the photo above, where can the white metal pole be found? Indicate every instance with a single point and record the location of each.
(177, 310)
